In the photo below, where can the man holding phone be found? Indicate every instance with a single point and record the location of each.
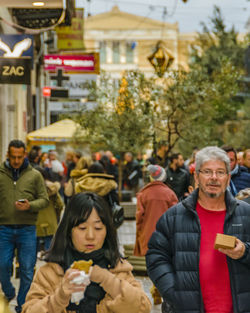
(22, 195)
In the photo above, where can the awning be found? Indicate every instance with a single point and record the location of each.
(61, 131)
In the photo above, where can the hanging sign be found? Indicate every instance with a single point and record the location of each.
(15, 70)
(16, 53)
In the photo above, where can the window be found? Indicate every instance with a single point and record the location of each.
(116, 52)
(130, 46)
(103, 52)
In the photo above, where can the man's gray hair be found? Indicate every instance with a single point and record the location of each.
(211, 153)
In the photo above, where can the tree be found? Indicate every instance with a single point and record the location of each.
(122, 120)
(218, 57)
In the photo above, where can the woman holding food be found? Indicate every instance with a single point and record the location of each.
(86, 233)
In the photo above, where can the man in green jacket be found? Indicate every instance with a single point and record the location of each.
(22, 195)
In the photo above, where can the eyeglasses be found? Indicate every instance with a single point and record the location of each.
(209, 173)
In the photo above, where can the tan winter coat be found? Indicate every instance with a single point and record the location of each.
(69, 187)
(99, 183)
(46, 294)
(48, 218)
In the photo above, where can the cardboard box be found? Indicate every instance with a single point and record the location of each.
(224, 241)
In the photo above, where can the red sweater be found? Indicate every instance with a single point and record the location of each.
(214, 275)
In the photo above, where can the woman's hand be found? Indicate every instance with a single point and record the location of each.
(106, 279)
(67, 285)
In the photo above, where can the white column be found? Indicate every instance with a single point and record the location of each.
(109, 48)
(123, 52)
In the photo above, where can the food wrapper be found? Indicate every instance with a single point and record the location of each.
(83, 278)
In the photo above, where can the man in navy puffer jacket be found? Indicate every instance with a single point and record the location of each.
(190, 274)
(240, 178)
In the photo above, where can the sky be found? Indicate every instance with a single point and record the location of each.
(188, 15)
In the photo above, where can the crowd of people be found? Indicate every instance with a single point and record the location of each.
(60, 210)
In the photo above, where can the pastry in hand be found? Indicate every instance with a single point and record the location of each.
(82, 265)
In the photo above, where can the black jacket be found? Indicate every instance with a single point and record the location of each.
(131, 174)
(178, 180)
(173, 255)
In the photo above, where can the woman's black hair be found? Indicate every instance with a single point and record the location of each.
(78, 211)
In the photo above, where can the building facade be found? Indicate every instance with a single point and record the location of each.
(125, 41)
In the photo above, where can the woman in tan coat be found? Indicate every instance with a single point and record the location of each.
(86, 232)
(77, 173)
(48, 218)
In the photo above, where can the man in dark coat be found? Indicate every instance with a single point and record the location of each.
(177, 178)
(240, 178)
(191, 275)
(131, 173)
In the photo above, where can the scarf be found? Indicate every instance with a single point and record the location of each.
(16, 171)
(232, 187)
(235, 170)
(94, 293)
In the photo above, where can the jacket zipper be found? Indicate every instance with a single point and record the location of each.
(229, 265)
(198, 256)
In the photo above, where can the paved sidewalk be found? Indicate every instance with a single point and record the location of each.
(126, 234)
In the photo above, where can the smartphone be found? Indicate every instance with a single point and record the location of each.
(21, 200)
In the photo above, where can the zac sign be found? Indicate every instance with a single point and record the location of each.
(15, 70)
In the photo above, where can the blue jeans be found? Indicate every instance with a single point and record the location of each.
(45, 241)
(23, 238)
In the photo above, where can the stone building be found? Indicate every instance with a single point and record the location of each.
(125, 41)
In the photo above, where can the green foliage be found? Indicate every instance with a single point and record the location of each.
(218, 58)
(122, 120)
(216, 46)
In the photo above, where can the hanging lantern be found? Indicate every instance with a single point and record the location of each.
(161, 59)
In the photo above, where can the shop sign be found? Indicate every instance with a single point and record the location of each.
(70, 106)
(16, 46)
(84, 63)
(15, 70)
(16, 58)
(71, 37)
(78, 84)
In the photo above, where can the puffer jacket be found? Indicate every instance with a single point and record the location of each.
(46, 294)
(173, 255)
(241, 178)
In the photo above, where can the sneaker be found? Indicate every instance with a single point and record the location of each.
(18, 309)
